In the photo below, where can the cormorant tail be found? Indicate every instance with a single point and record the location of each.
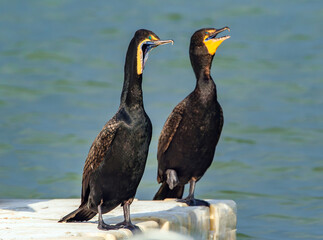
(165, 192)
(80, 214)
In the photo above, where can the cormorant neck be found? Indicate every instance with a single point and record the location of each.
(201, 65)
(132, 92)
(202, 68)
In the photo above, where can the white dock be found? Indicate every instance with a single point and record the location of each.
(37, 219)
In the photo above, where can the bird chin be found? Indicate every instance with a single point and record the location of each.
(146, 48)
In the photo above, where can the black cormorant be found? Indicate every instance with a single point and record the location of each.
(189, 137)
(117, 157)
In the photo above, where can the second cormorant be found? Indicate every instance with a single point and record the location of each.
(189, 137)
(117, 157)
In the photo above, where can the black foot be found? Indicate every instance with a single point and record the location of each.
(132, 227)
(194, 202)
(104, 226)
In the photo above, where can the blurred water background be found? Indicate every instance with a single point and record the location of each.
(61, 75)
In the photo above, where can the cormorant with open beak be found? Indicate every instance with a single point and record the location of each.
(189, 137)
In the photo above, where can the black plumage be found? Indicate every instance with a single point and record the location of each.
(117, 157)
(189, 137)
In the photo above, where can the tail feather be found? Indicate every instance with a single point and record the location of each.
(165, 192)
(80, 214)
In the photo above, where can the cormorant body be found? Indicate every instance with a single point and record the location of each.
(117, 157)
(189, 137)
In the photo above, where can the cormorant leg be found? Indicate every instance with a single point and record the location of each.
(190, 200)
(192, 189)
(101, 224)
(127, 221)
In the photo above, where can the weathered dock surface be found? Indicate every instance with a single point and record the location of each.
(37, 219)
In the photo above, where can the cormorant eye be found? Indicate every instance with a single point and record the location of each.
(149, 37)
(207, 33)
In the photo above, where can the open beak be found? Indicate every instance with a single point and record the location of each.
(213, 36)
(212, 42)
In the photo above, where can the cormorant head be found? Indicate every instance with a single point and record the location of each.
(204, 43)
(145, 41)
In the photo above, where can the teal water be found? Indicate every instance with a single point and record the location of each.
(61, 74)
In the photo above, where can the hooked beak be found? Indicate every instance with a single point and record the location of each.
(148, 46)
(159, 42)
(213, 36)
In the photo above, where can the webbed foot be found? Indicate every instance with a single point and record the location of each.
(104, 226)
(194, 202)
(128, 225)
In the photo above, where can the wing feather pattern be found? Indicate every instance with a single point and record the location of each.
(170, 128)
(98, 150)
(168, 132)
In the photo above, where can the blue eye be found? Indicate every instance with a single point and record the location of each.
(149, 37)
(207, 33)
